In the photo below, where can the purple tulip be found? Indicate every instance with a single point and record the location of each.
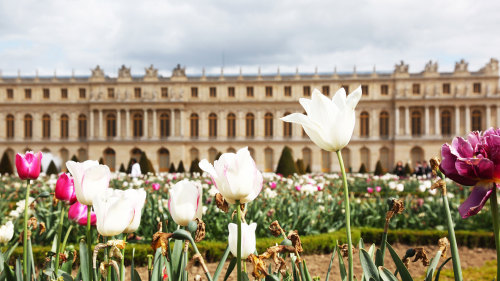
(28, 166)
(156, 186)
(78, 213)
(65, 189)
(473, 162)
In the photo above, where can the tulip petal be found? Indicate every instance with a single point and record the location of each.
(184, 201)
(448, 167)
(476, 200)
(311, 129)
(323, 110)
(462, 148)
(353, 98)
(138, 196)
(95, 181)
(22, 167)
(306, 104)
(340, 98)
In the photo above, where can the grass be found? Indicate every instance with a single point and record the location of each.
(487, 272)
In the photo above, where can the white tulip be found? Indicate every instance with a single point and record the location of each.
(139, 198)
(185, 202)
(329, 123)
(247, 239)
(90, 178)
(235, 175)
(6, 232)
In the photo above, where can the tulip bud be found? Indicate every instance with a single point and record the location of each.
(78, 213)
(272, 185)
(248, 241)
(155, 186)
(185, 202)
(29, 165)
(6, 232)
(65, 189)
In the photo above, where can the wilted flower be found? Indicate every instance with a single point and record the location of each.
(185, 202)
(6, 232)
(78, 213)
(248, 241)
(90, 179)
(65, 189)
(329, 123)
(29, 165)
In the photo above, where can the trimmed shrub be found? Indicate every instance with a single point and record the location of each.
(308, 168)
(378, 169)
(218, 155)
(101, 161)
(172, 168)
(407, 169)
(286, 165)
(144, 163)
(151, 169)
(129, 166)
(195, 168)
(52, 169)
(74, 158)
(300, 166)
(122, 168)
(362, 169)
(5, 165)
(180, 167)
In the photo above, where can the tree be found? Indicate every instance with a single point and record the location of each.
(378, 169)
(308, 168)
(5, 165)
(180, 167)
(362, 169)
(407, 169)
(151, 168)
(300, 166)
(129, 166)
(52, 169)
(122, 168)
(286, 165)
(74, 158)
(195, 168)
(144, 163)
(172, 168)
(101, 161)
(219, 154)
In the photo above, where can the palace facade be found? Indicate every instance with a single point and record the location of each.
(401, 116)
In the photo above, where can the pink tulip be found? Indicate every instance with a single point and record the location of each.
(319, 187)
(29, 165)
(298, 187)
(155, 186)
(369, 189)
(378, 188)
(65, 189)
(78, 213)
(272, 185)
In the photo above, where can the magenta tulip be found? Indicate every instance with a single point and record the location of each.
(65, 189)
(78, 213)
(378, 188)
(473, 162)
(28, 166)
(272, 185)
(369, 189)
(155, 186)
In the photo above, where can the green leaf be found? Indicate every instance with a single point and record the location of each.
(9, 252)
(157, 266)
(329, 266)
(19, 270)
(343, 272)
(31, 260)
(66, 276)
(386, 275)
(306, 271)
(175, 258)
(361, 243)
(403, 271)
(272, 277)
(432, 267)
(230, 268)
(379, 260)
(9, 273)
(369, 269)
(440, 268)
(221, 263)
(84, 262)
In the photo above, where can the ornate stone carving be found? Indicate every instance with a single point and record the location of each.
(179, 71)
(151, 72)
(431, 67)
(97, 72)
(491, 67)
(401, 68)
(461, 66)
(124, 72)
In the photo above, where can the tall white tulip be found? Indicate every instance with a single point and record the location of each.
(90, 179)
(139, 199)
(329, 123)
(185, 202)
(235, 175)
(6, 232)
(248, 241)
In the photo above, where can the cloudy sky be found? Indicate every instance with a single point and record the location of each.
(48, 35)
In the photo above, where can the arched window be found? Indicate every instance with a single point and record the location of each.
(164, 125)
(416, 123)
(10, 126)
(231, 125)
(109, 158)
(193, 120)
(64, 127)
(287, 128)
(268, 125)
(212, 125)
(326, 161)
(446, 123)
(212, 154)
(137, 125)
(28, 126)
(163, 159)
(252, 153)
(307, 157)
(82, 127)
(416, 155)
(231, 150)
(250, 125)
(46, 126)
(346, 155)
(365, 124)
(194, 154)
(82, 155)
(111, 125)
(384, 124)
(64, 153)
(365, 157)
(136, 153)
(385, 159)
(268, 156)
(476, 120)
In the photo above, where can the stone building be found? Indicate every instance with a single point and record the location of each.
(401, 116)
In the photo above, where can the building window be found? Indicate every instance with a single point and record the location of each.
(111, 125)
(325, 90)
(384, 125)
(446, 88)
(268, 160)
(193, 120)
(82, 93)
(231, 125)
(416, 123)
(288, 91)
(446, 123)
(64, 126)
(137, 93)
(111, 93)
(82, 126)
(477, 88)
(364, 124)
(213, 92)
(64, 93)
(269, 91)
(416, 89)
(249, 91)
(212, 125)
(46, 93)
(10, 126)
(163, 159)
(230, 92)
(307, 91)
(164, 125)
(268, 125)
(250, 125)
(27, 94)
(138, 125)
(28, 126)
(364, 90)
(346, 88)
(476, 120)
(164, 92)
(287, 128)
(46, 126)
(10, 94)
(384, 90)
(194, 92)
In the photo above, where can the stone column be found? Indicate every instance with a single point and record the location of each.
(181, 122)
(467, 119)
(55, 125)
(407, 121)
(426, 116)
(498, 117)
(259, 124)
(437, 129)
(127, 123)
(374, 128)
(278, 126)
(240, 125)
(488, 116)
(73, 126)
(3, 120)
(101, 127)
(222, 125)
(91, 124)
(457, 120)
(172, 123)
(396, 121)
(19, 126)
(155, 127)
(119, 123)
(146, 123)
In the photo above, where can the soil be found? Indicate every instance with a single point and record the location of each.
(318, 264)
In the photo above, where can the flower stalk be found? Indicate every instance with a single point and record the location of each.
(89, 240)
(347, 215)
(494, 215)
(25, 233)
(59, 233)
(238, 244)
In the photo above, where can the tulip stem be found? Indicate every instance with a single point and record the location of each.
(122, 263)
(457, 270)
(59, 233)
(89, 239)
(347, 215)
(238, 245)
(63, 247)
(494, 215)
(25, 233)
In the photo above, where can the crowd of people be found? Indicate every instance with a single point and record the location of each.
(421, 169)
